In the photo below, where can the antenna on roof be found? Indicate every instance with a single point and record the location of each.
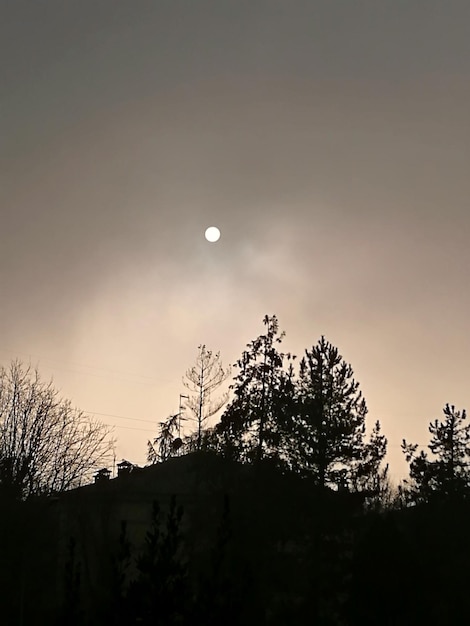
(180, 410)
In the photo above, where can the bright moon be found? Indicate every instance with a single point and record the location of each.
(212, 234)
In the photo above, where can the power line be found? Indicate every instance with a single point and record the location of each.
(123, 417)
(146, 430)
(150, 379)
(138, 419)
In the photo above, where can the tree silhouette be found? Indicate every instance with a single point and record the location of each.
(120, 563)
(202, 380)
(448, 474)
(252, 427)
(160, 594)
(330, 432)
(45, 445)
(223, 594)
(369, 474)
(72, 612)
(166, 444)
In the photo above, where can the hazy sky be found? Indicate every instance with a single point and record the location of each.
(330, 143)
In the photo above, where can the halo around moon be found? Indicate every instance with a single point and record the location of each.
(212, 234)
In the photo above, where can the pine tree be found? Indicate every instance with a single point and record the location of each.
(217, 602)
(72, 612)
(160, 593)
(331, 414)
(252, 427)
(448, 474)
(120, 563)
(369, 473)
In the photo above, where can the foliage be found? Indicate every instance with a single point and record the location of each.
(121, 562)
(72, 613)
(330, 428)
(224, 592)
(166, 444)
(448, 473)
(45, 445)
(370, 475)
(159, 593)
(253, 425)
(313, 425)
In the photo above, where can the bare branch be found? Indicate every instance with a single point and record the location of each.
(45, 444)
(207, 375)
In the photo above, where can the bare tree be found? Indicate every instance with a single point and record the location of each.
(46, 445)
(202, 380)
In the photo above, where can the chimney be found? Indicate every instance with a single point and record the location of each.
(124, 468)
(102, 475)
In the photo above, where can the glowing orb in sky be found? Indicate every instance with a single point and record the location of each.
(212, 234)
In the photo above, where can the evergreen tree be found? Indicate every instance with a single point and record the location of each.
(369, 474)
(72, 613)
(160, 593)
(223, 593)
(253, 425)
(448, 474)
(330, 438)
(120, 564)
(166, 444)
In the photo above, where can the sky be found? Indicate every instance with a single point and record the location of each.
(329, 142)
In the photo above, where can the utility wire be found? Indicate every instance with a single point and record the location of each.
(146, 430)
(137, 419)
(150, 379)
(123, 417)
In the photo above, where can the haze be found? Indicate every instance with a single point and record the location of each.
(327, 140)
